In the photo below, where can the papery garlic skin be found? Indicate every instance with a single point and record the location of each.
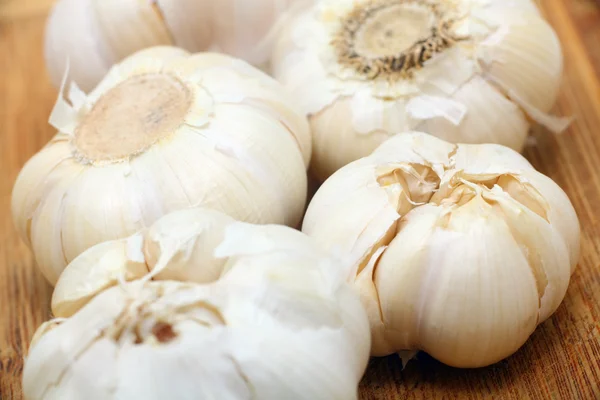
(469, 71)
(93, 35)
(165, 130)
(457, 250)
(196, 245)
(279, 323)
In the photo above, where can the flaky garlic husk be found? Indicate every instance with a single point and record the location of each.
(164, 130)
(276, 323)
(180, 246)
(93, 35)
(457, 250)
(466, 71)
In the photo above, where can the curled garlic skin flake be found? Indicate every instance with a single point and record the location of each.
(457, 250)
(93, 35)
(164, 130)
(466, 71)
(276, 322)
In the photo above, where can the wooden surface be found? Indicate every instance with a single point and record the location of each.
(560, 361)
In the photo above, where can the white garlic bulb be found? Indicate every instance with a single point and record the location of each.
(457, 250)
(179, 246)
(279, 323)
(163, 131)
(93, 35)
(466, 71)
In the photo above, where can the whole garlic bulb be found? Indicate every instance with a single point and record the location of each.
(466, 71)
(93, 35)
(164, 130)
(278, 324)
(457, 250)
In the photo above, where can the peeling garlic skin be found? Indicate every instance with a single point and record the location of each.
(278, 323)
(93, 35)
(197, 245)
(470, 71)
(163, 131)
(457, 250)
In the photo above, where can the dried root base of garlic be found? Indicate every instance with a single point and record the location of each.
(273, 318)
(457, 250)
(164, 130)
(465, 71)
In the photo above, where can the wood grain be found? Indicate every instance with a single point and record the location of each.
(560, 361)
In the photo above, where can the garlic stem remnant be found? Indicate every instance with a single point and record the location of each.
(457, 250)
(276, 321)
(164, 130)
(131, 117)
(466, 71)
(390, 39)
(93, 35)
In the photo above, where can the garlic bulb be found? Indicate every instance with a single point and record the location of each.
(180, 246)
(93, 35)
(457, 250)
(277, 324)
(163, 131)
(468, 71)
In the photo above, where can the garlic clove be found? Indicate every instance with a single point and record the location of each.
(42, 330)
(370, 299)
(246, 30)
(489, 160)
(111, 209)
(95, 270)
(29, 189)
(363, 230)
(71, 344)
(233, 132)
(137, 25)
(335, 138)
(231, 81)
(401, 308)
(542, 244)
(491, 118)
(152, 60)
(62, 45)
(190, 155)
(103, 37)
(466, 299)
(244, 239)
(182, 245)
(559, 213)
(188, 23)
(295, 70)
(43, 226)
(520, 63)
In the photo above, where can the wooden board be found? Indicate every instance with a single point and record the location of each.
(560, 361)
